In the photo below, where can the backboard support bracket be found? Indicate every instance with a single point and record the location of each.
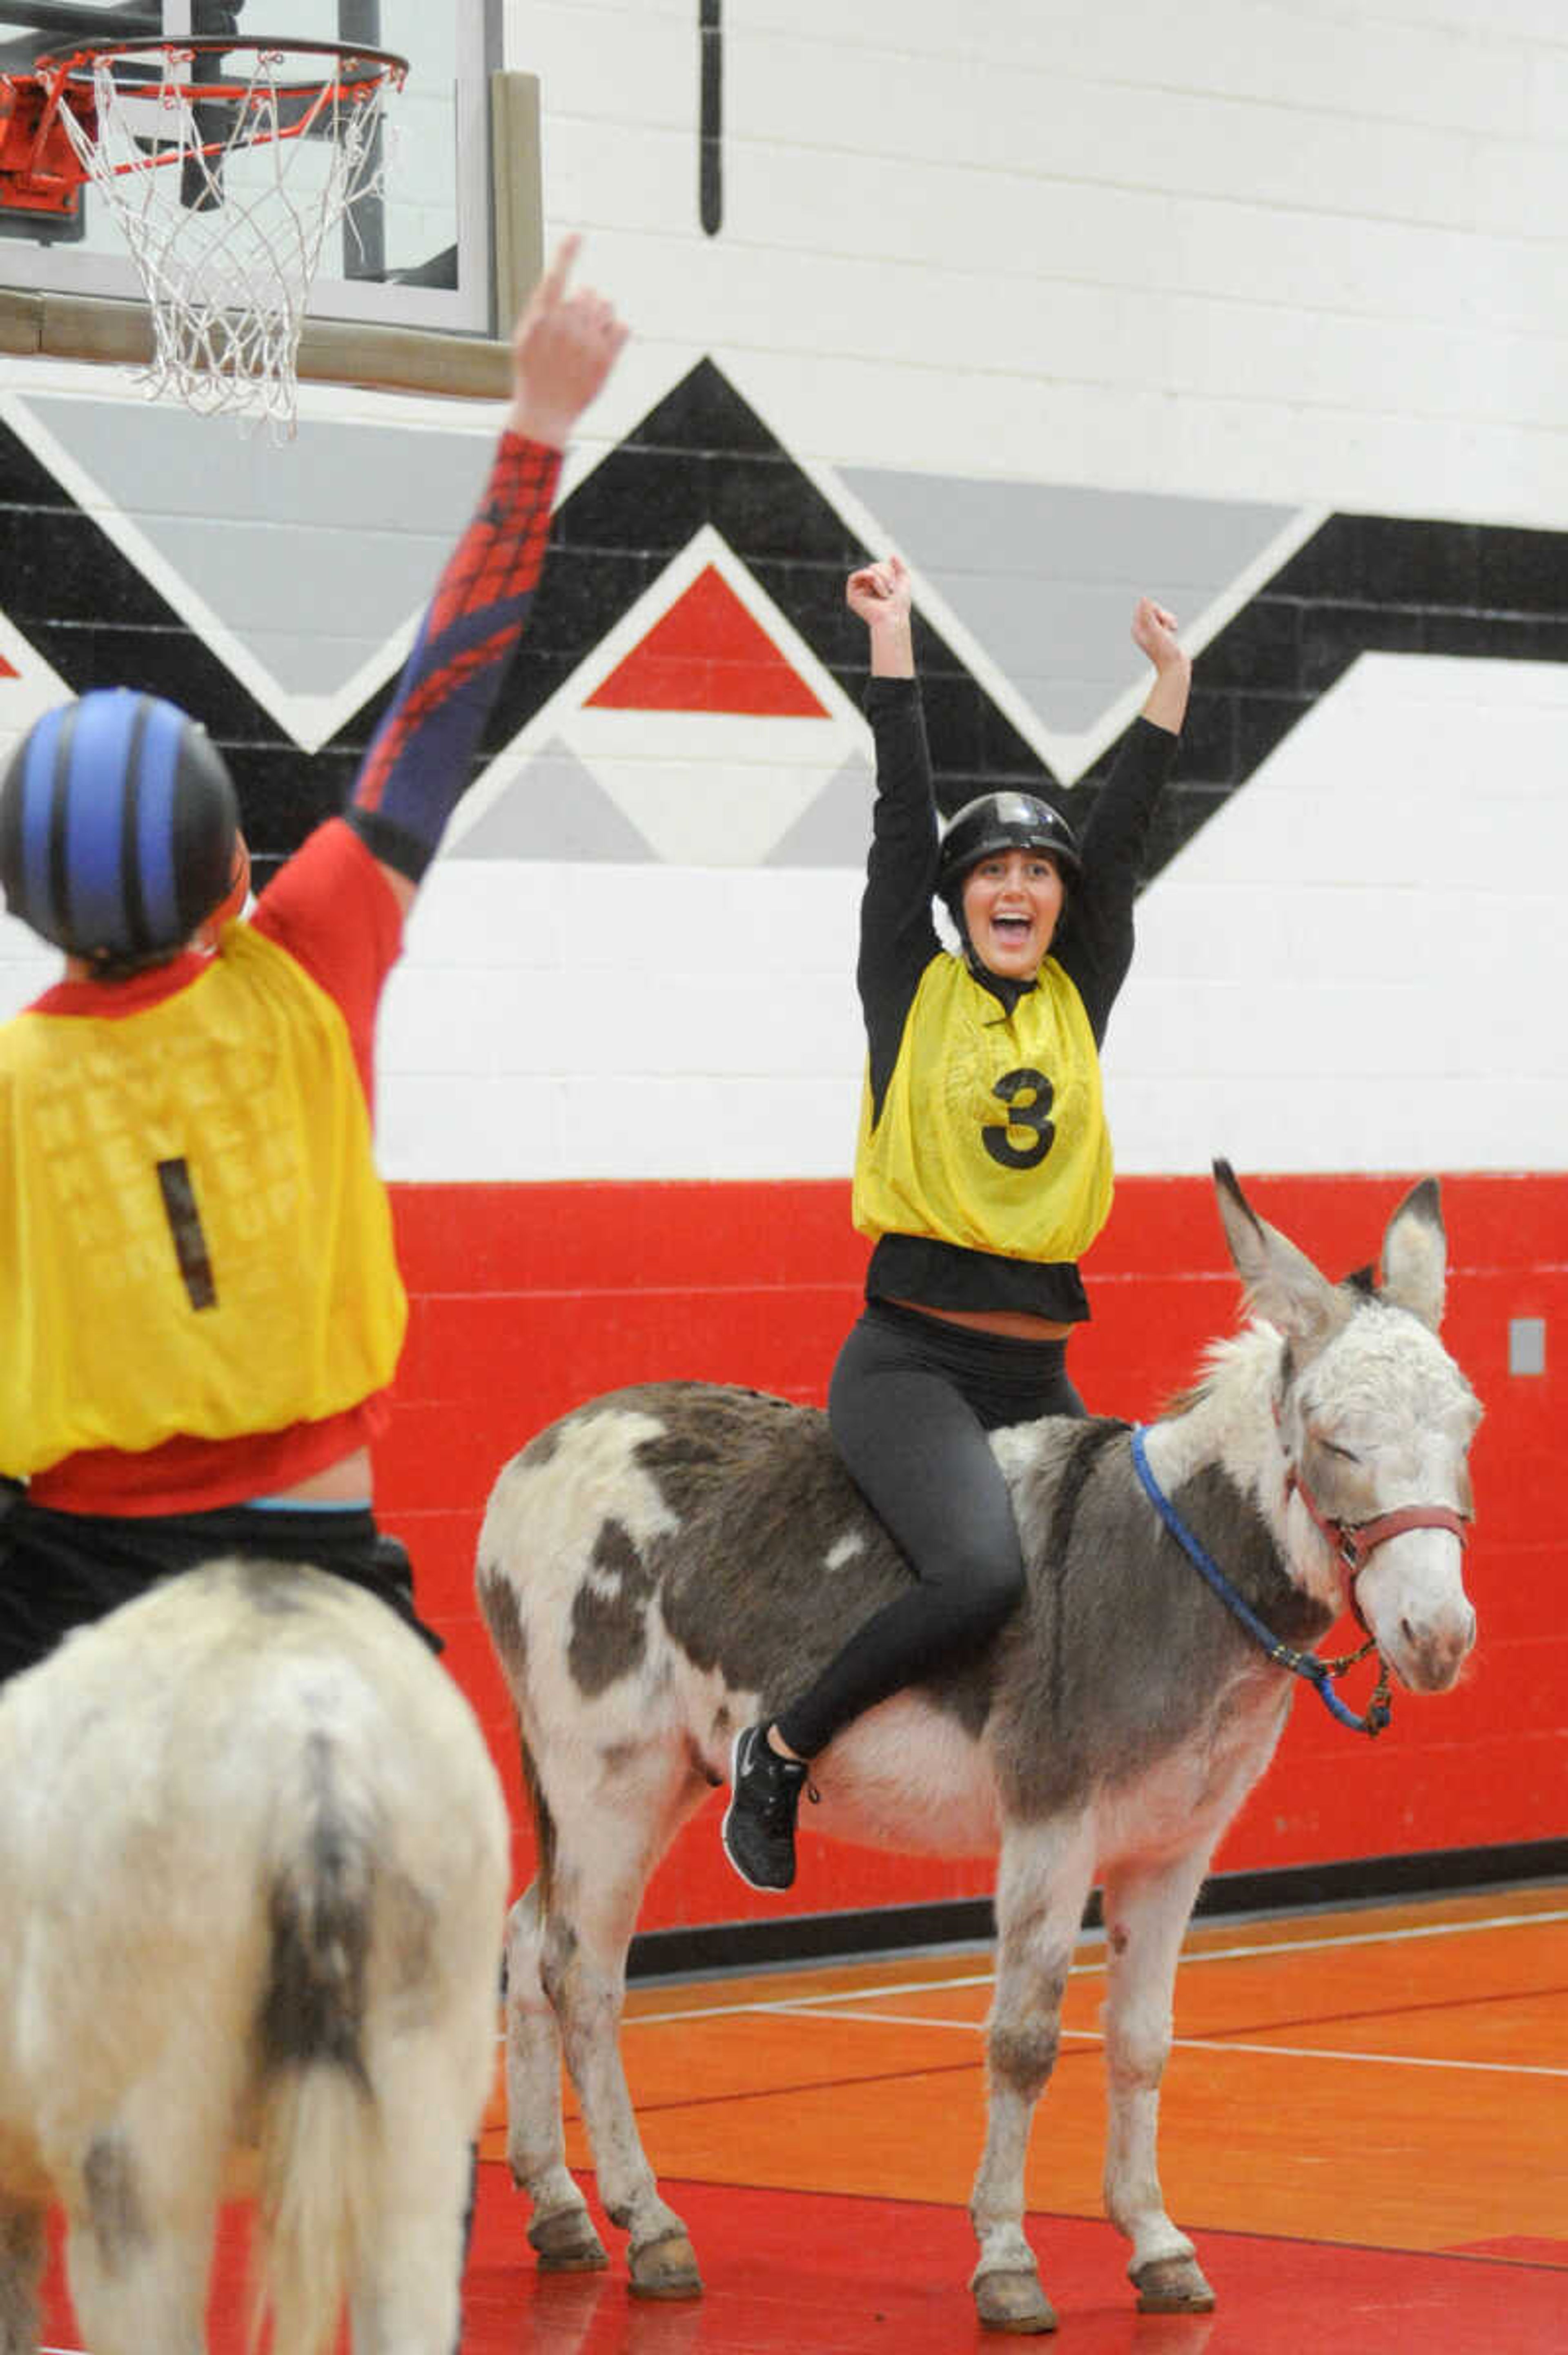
(517, 180)
(331, 351)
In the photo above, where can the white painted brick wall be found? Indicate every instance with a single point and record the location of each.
(1310, 254)
(1361, 962)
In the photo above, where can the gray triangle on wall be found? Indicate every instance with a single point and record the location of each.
(289, 551)
(834, 830)
(554, 808)
(1044, 576)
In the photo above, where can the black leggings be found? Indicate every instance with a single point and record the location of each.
(911, 1402)
(60, 1571)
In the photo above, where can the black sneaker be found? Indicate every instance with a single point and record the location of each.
(758, 1830)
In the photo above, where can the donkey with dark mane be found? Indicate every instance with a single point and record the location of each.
(667, 1563)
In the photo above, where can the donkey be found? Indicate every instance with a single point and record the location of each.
(667, 1563)
(254, 1859)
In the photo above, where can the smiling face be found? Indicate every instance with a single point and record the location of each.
(1011, 902)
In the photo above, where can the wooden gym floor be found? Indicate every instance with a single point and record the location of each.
(1365, 2130)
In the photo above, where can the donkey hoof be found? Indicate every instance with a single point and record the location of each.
(666, 2268)
(567, 2242)
(1013, 2302)
(1172, 2285)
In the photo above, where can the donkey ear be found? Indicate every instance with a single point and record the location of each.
(1282, 1284)
(1415, 1254)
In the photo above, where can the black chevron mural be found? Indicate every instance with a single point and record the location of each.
(702, 455)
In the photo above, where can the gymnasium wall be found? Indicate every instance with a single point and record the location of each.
(1253, 307)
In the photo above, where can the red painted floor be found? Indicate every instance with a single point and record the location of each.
(802, 2273)
(798, 2274)
(1363, 2133)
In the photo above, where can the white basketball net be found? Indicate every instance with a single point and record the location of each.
(225, 204)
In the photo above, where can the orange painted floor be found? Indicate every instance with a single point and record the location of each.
(1365, 2130)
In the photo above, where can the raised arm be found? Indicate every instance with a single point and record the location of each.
(898, 938)
(420, 760)
(880, 595)
(1094, 943)
(1153, 633)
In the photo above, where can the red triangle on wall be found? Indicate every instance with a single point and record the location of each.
(7, 670)
(709, 654)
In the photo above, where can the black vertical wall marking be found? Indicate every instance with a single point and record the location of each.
(711, 143)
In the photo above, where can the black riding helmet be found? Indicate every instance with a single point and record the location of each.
(1005, 821)
(117, 826)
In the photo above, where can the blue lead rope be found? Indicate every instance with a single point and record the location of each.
(1316, 1672)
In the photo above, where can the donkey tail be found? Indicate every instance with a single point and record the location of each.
(319, 2128)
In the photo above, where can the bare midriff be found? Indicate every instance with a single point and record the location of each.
(346, 1481)
(1017, 1324)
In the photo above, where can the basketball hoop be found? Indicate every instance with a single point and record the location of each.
(225, 163)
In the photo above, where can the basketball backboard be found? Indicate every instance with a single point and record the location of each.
(421, 255)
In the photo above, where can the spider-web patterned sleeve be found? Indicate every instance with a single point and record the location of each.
(420, 760)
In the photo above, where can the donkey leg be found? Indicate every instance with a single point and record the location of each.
(1147, 1912)
(137, 2259)
(607, 1845)
(405, 2298)
(562, 2230)
(21, 2269)
(1043, 1884)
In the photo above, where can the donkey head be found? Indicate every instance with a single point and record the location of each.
(1375, 1422)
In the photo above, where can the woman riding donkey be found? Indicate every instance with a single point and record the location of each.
(201, 1304)
(983, 1173)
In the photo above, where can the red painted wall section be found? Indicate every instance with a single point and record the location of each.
(528, 1299)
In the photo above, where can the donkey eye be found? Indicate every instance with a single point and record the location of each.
(1345, 1454)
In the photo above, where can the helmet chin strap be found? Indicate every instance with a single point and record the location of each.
(1006, 987)
(1003, 986)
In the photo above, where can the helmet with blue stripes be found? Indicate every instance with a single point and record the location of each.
(117, 826)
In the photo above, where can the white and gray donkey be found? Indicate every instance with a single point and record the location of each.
(667, 1563)
(254, 1858)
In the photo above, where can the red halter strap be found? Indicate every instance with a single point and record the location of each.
(1354, 1541)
